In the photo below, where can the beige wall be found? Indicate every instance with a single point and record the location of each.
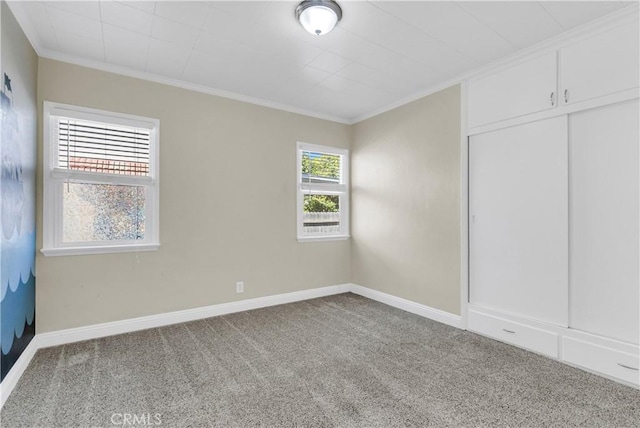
(227, 206)
(405, 178)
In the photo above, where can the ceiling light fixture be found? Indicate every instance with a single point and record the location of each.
(318, 16)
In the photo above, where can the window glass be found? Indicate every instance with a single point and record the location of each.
(103, 212)
(320, 167)
(321, 214)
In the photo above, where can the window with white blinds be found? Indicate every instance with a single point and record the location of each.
(100, 181)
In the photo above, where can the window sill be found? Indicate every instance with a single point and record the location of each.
(104, 249)
(323, 238)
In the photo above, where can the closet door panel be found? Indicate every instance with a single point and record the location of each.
(604, 214)
(518, 232)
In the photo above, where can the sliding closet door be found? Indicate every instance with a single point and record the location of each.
(604, 217)
(518, 232)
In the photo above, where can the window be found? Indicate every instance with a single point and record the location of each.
(100, 174)
(323, 193)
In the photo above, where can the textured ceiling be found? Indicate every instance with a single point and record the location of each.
(380, 53)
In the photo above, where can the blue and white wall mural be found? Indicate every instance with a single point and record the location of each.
(17, 196)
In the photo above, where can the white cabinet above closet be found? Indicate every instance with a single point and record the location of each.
(604, 64)
(525, 88)
(599, 69)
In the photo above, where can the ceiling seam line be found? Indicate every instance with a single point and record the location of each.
(426, 33)
(478, 20)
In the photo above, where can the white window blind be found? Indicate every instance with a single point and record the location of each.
(102, 147)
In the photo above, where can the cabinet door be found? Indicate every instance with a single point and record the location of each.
(601, 65)
(604, 215)
(518, 237)
(525, 88)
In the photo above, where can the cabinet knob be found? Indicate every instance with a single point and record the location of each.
(566, 96)
(553, 99)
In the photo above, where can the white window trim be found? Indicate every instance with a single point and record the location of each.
(53, 176)
(342, 189)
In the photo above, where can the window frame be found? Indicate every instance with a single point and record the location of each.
(55, 177)
(342, 190)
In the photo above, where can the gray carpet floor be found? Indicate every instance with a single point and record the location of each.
(339, 361)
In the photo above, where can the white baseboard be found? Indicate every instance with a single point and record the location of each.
(62, 337)
(11, 379)
(95, 331)
(408, 305)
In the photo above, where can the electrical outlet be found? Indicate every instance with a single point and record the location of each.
(239, 287)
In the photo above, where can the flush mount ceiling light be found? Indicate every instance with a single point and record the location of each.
(318, 16)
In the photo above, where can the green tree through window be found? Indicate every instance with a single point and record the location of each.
(321, 165)
(318, 168)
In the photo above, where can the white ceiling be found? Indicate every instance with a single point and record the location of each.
(379, 54)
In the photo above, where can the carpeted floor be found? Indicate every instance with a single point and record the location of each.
(339, 361)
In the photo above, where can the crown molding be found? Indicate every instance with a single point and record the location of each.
(123, 71)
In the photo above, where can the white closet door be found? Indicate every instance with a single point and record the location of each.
(518, 204)
(604, 217)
